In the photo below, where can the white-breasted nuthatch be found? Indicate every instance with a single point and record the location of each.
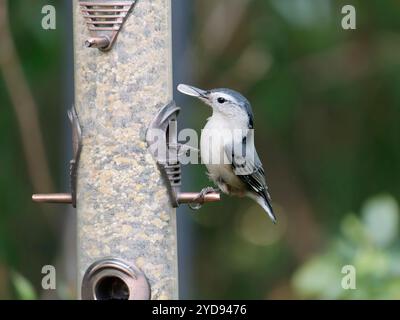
(228, 135)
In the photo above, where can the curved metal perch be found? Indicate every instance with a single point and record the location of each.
(168, 161)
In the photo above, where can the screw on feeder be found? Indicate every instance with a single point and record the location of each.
(98, 42)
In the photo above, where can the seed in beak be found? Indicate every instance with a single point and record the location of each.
(192, 91)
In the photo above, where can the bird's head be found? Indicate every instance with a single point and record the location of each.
(227, 102)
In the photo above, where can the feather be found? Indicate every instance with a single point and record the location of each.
(248, 168)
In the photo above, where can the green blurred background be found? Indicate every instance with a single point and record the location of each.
(327, 108)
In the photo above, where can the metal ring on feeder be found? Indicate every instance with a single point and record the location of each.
(114, 279)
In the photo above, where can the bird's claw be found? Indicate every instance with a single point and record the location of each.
(200, 198)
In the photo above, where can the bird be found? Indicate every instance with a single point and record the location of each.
(227, 146)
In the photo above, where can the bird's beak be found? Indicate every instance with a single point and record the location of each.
(194, 92)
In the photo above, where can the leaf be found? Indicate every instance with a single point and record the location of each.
(354, 230)
(319, 277)
(381, 219)
(23, 287)
(371, 262)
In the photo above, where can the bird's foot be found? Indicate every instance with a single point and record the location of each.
(200, 197)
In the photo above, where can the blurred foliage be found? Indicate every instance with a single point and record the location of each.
(23, 288)
(326, 104)
(370, 244)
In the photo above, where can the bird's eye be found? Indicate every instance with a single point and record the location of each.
(221, 100)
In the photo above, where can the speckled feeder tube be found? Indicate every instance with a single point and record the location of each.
(123, 206)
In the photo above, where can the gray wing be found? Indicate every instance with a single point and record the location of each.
(248, 167)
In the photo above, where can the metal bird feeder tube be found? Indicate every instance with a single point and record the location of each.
(125, 197)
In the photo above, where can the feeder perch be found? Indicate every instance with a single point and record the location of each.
(166, 153)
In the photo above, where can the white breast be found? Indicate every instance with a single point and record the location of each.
(212, 141)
